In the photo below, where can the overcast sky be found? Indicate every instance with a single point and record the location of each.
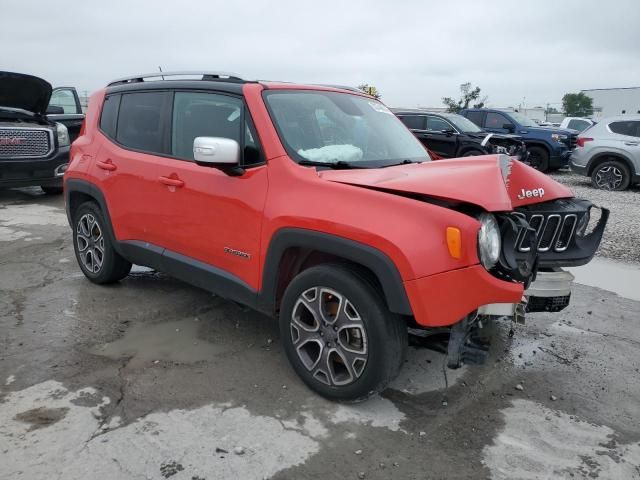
(415, 52)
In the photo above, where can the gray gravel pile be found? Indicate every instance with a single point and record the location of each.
(622, 238)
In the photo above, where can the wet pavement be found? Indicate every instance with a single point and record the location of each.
(152, 378)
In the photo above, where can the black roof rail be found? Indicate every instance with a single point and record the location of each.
(210, 76)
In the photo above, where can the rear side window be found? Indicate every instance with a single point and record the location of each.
(140, 121)
(415, 122)
(197, 114)
(475, 117)
(630, 128)
(109, 116)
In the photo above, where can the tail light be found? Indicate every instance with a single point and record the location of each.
(582, 140)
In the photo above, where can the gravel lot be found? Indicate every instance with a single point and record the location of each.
(621, 240)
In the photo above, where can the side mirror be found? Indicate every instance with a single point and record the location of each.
(509, 127)
(55, 110)
(216, 152)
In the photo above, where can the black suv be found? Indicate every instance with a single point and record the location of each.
(450, 135)
(34, 140)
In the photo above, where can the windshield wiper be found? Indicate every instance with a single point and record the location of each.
(335, 165)
(403, 162)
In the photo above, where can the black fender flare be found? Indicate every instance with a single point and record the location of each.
(74, 185)
(372, 258)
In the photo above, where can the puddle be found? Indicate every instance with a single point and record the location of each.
(169, 341)
(616, 277)
(422, 372)
(538, 442)
(180, 442)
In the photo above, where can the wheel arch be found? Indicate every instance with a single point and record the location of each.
(600, 158)
(292, 250)
(76, 192)
(538, 143)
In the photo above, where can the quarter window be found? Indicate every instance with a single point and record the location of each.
(109, 116)
(630, 128)
(579, 125)
(197, 114)
(140, 121)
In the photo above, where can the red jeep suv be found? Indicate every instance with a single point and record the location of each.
(316, 205)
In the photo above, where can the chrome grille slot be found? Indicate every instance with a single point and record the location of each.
(549, 232)
(554, 232)
(566, 232)
(536, 223)
(18, 142)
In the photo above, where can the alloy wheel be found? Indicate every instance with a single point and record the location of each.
(329, 336)
(90, 243)
(609, 178)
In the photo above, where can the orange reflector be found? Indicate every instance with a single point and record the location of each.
(454, 242)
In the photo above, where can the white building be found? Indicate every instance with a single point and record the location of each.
(614, 101)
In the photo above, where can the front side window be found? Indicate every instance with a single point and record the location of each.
(198, 114)
(496, 120)
(437, 124)
(629, 128)
(140, 121)
(64, 98)
(522, 120)
(332, 127)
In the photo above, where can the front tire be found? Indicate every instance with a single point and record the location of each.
(611, 175)
(538, 158)
(338, 333)
(93, 246)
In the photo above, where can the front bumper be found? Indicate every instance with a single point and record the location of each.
(34, 171)
(559, 159)
(550, 292)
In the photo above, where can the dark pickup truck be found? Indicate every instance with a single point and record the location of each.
(37, 125)
(549, 147)
(450, 135)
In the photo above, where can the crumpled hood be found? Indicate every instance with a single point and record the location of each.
(493, 182)
(27, 92)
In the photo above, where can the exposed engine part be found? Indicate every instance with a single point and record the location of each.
(466, 344)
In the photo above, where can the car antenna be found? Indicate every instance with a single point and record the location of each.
(160, 68)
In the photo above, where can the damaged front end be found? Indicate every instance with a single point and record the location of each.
(537, 241)
(511, 145)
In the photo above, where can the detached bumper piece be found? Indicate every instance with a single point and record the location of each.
(466, 344)
(550, 292)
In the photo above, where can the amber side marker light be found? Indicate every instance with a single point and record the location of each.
(454, 242)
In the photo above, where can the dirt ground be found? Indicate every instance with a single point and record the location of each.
(154, 379)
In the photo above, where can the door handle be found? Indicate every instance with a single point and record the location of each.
(171, 182)
(632, 144)
(106, 165)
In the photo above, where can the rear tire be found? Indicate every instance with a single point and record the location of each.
(538, 158)
(93, 246)
(52, 190)
(338, 333)
(473, 153)
(611, 175)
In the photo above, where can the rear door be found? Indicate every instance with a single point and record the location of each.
(627, 136)
(128, 165)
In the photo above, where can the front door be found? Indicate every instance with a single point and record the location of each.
(208, 215)
(441, 137)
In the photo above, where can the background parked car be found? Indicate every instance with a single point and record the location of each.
(449, 135)
(64, 107)
(577, 123)
(609, 152)
(549, 148)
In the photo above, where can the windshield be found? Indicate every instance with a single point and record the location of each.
(522, 120)
(463, 124)
(332, 128)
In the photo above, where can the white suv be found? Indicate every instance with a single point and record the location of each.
(609, 152)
